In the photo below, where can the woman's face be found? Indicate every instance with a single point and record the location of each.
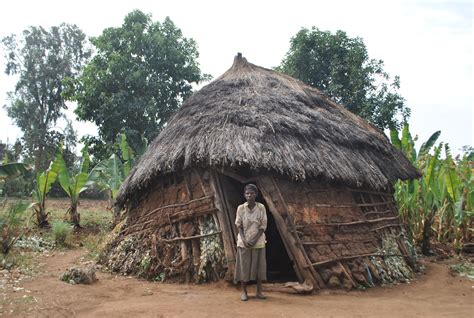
(250, 195)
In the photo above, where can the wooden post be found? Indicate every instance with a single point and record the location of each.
(301, 265)
(184, 252)
(196, 254)
(225, 226)
(300, 246)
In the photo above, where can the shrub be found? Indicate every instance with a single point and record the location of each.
(61, 232)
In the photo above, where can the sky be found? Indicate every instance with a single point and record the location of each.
(428, 43)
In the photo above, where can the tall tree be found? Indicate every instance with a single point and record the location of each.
(140, 75)
(42, 59)
(340, 67)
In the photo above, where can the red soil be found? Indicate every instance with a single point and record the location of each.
(434, 294)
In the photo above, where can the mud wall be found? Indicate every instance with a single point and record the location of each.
(349, 238)
(171, 234)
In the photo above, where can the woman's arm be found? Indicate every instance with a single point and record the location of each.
(242, 236)
(254, 240)
(262, 227)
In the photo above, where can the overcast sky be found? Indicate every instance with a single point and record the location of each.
(427, 43)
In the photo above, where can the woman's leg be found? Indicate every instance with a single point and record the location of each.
(260, 294)
(244, 295)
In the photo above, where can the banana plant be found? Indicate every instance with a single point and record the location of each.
(110, 173)
(11, 224)
(75, 184)
(128, 155)
(44, 181)
(441, 201)
(11, 217)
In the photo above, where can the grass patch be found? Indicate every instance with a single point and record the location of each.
(24, 261)
(464, 269)
(61, 232)
(94, 244)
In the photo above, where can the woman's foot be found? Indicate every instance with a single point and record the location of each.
(244, 297)
(261, 296)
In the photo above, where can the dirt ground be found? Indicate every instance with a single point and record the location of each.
(436, 293)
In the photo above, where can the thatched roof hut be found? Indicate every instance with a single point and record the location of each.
(326, 176)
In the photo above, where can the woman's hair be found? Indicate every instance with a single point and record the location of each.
(252, 187)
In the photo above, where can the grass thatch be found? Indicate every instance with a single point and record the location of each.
(264, 120)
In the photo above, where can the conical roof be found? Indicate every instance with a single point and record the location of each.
(264, 120)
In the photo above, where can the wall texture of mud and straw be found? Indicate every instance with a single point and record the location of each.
(349, 238)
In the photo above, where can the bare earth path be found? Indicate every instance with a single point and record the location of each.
(434, 294)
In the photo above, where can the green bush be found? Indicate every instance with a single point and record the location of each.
(61, 232)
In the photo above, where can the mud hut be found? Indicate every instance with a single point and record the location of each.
(325, 176)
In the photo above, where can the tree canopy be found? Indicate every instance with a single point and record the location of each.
(42, 59)
(341, 68)
(140, 75)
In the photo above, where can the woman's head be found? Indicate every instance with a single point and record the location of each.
(250, 192)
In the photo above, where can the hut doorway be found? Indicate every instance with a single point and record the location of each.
(279, 266)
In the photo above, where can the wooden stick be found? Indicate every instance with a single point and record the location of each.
(184, 253)
(346, 258)
(295, 254)
(316, 275)
(175, 205)
(348, 223)
(377, 212)
(177, 216)
(176, 239)
(200, 181)
(188, 188)
(332, 242)
(227, 237)
(371, 192)
(385, 226)
(348, 275)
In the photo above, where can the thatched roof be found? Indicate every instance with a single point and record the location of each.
(264, 120)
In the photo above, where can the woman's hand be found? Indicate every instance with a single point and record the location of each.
(250, 243)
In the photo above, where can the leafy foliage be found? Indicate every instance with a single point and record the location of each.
(42, 59)
(110, 173)
(61, 232)
(44, 181)
(11, 216)
(75, 184)
(140, 75)
(11, 219)
(340, 67)
(441, 202)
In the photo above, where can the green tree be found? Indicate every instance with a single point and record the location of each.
(42, 59)
(341, 68)
(140, 75)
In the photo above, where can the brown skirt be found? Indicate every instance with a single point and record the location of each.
(250, 264)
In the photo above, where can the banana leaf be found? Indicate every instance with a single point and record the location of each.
(11, 170)
(45, 180)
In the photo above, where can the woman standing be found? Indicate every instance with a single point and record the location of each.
(251, 221)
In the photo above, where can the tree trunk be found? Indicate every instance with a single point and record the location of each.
(425, 241)
(75, 216)
(5, 244)
(42, 217)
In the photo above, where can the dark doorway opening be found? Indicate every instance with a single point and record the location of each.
(279, 266)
